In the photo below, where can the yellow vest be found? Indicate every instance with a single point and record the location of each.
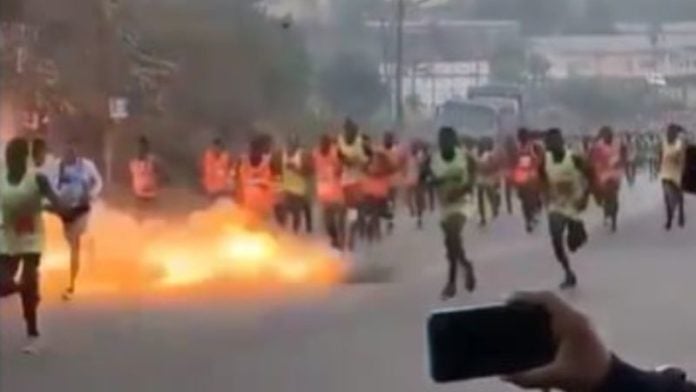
(565, 182)
(452, 175)
(355, 157)
(673, 156)
(22, 229)
(293, 180)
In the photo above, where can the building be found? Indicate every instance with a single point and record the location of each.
(301, 10)
(627, 56)
(434, 83)
(442, 58)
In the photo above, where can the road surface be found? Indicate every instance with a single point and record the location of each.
(636, 284)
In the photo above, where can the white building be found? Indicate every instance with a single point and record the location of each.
(301, 10)
(618, 56)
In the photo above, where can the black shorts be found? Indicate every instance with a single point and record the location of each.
(377, 206)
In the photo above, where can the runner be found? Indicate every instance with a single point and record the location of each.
(488, 179)
(376, 188)
(414, 186)
(22, 189)
(430, 187)
(145, 175)
(607, 156)
(528, 156)
(216, 166)
(673, 155)
(454, 174)
(508, 174)
(351, 150)
(397, 161)
(655, 155)
(295, 185)
(255, 181)
(631, 164)
(78, 183)
(565, 178)
(327, 169)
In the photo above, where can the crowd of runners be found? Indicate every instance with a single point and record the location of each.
(357, 184)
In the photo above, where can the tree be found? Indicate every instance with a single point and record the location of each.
(351, 85)
(235, 64)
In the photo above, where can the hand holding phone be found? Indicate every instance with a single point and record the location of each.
(489, 341)
(582, 361)
(572, 354)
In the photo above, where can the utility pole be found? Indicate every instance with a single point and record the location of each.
(399, 74)
(104, 16)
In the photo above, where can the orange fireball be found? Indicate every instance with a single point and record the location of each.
(219, 247)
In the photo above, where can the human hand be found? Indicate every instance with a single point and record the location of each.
(582, 361)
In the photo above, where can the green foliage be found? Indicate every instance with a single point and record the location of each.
(235, 64)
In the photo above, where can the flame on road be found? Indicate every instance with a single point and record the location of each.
(218, 248)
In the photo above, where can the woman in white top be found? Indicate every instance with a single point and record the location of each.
(77, 183)
(672, 160)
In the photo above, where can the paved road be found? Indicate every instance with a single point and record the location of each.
(637, 284)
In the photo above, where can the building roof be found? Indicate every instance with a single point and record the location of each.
(614, 43)
(668, 28)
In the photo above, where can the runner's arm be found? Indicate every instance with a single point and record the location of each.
(586, 170)
(46, 190)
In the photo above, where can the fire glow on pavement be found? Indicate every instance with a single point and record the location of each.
(218, 249)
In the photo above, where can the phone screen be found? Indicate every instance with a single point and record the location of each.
(488, 341)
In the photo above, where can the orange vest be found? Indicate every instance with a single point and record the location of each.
(526, 170)
(257, 186)
(144, 177)
(378, 180)
(216, 168)
(397, 159)
(606, 159)
(328, 176)
(412, 168)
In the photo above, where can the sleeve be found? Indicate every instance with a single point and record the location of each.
(97, 183)
(626, 378)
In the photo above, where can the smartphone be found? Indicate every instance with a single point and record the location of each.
(487, 341)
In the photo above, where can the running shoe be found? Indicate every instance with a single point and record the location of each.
(570, 282)
(449, 291)
(68, 294)
(33, 346)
